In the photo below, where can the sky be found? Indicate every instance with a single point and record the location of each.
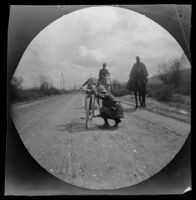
(77, 44)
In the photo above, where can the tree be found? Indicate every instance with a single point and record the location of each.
(15, 90)
(171, 72)
(116, 84)
(16, 82)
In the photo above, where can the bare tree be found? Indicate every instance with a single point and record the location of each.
(171, 72)
(16, 82)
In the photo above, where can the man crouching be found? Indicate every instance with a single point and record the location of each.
(111, 109)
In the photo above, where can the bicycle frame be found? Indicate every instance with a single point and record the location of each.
(89, 108)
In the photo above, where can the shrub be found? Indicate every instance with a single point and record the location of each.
(17, 93)
(172, 73)
(121, 92)
(153, 89)
(182, 99)
(165, 94)
(160, 92)
(119, 89)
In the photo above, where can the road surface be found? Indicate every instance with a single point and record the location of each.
(53, 131)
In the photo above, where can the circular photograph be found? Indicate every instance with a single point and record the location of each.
(101, 98)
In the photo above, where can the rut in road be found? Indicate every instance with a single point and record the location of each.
(53, 131)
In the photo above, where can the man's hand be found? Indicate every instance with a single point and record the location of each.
(93, 91)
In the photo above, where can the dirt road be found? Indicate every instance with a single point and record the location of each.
(53, 131)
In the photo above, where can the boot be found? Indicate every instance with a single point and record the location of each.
(117, 121)
(136, 107)
(106, 124)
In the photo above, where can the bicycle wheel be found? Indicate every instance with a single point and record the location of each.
(89, 109)
(92, 110)
(86, 111)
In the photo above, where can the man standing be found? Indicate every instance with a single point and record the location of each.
(111, 109)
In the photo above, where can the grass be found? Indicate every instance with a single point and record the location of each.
(160, 92)
(166, 93)
(120, 92)
(171, 91)
(20, 95)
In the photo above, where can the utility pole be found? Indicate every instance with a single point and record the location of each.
(62, 82)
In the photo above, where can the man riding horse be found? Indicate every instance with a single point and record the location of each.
(137, 81)
(103, 77)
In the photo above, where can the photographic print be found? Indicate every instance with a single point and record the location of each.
(101, 98)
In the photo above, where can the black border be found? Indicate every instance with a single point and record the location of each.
(19, 149)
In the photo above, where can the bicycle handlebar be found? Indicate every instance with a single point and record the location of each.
(87, 90)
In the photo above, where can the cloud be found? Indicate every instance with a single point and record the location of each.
(95, 54)
(83, 51)
(78, 43)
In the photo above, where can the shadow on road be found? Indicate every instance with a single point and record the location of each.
(74, 127)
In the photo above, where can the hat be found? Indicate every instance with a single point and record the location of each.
(92, 87)
(101, 89)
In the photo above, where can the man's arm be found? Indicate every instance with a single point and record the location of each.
(107, 72)
(145, 70)
(85, 83)
(101, 95)
(132, 71)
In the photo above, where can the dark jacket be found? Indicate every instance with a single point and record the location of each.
(103, 73)
(138, 73)
(114, 106)
(138, 69)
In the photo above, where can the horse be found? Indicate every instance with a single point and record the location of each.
(106, 82)
(138, 86)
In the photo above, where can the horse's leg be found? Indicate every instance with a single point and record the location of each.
(90, 104)
(144, 96)
(140, 99)
(140, 93)
(144, 99)
(135, 93)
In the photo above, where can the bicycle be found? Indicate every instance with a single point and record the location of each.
(107, 83)
(89, 107)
